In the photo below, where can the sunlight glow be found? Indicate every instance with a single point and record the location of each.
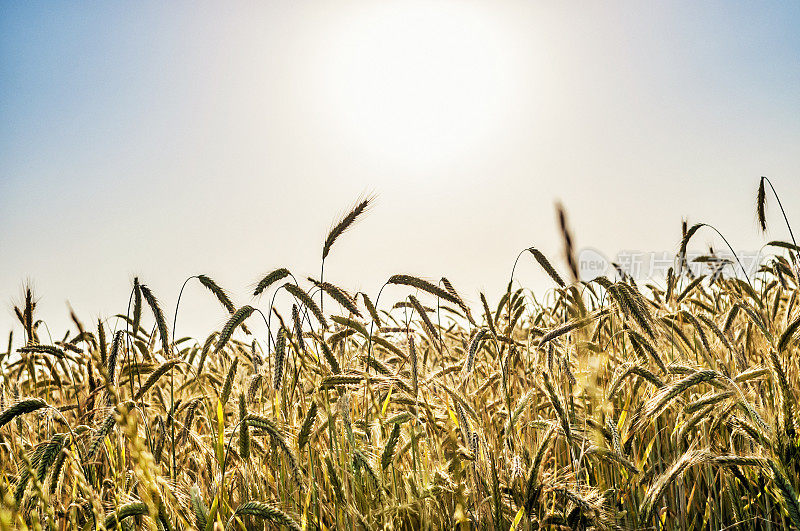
(417, 84)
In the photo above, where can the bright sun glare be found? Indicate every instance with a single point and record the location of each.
(417, 84)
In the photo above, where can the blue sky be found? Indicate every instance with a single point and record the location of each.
(164, 140)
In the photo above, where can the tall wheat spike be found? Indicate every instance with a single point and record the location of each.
(346, 222)
(545, 263)
(280, 358)
(234, 322)
(161, 322)
(761, 205)
(569, 247)
(306, 301)
(269, 279)
(137, 306)
(154, 376)
(423, 285)
(339, 295)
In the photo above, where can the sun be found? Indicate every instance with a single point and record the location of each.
(416, 84)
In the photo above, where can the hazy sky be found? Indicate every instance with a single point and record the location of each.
(168, 139)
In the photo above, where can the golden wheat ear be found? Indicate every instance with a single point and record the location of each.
(761, 205)
(547, 266)
(264, 512)
(347, 221)
(21, 407)
(424, 285)
(306, 300)
(137, 306)
(227, 331)
(269, 279)
(308, 423)
(569, 247)
(158, 313)
(339, 295)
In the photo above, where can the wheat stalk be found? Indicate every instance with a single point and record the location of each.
(264, 512)
(161, 322)
(346, 222)
(269, 279)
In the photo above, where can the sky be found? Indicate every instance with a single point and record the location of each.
(163, 140)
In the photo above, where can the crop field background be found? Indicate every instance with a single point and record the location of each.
(597, 404)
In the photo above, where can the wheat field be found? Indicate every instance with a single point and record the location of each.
(591, 405)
